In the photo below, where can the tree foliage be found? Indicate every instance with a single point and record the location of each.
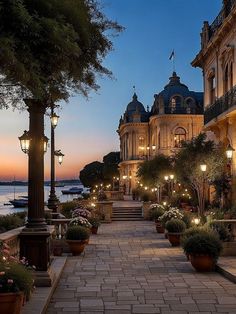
(51, 48)
(152, 172)
(194, 153)
(101, 172)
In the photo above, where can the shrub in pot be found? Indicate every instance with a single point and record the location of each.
(155, 213)
(222, 230)
(175, 228)
(76, 237)
(203, 250)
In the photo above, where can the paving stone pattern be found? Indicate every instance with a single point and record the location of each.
(129, 268)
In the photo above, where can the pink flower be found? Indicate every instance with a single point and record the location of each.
(2, 273)
(10, 281)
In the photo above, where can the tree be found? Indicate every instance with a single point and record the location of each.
(51, 48)
(152, 172)
(101, 172)
(187, 165)
(111, 162)
(92, 174)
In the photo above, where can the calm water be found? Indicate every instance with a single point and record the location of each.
(7, 193)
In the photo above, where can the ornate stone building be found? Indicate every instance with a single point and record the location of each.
(217, 60)
(176, 116)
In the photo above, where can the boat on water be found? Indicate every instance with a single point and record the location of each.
(19, 202)
(73, 190)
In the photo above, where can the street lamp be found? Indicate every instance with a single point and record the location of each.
(25, 142)
(203, 168)
(153, 147)
(59, 155)
(53, 200)
(229, 152)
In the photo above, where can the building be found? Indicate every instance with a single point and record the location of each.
(217, 61)
(176, 116)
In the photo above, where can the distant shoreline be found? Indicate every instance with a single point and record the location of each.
(24, 183)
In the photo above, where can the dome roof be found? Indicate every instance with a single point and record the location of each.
(177, 89)
(135, 106)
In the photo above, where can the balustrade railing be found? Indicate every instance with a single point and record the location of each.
(61, 226)
(221, 105)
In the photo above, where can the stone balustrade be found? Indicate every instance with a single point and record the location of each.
(61, 226)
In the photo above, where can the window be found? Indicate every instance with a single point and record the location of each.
(231, 76)
(141, 146)
(190, 105)
(212, 88)
(225, 79)
(179, 136)
(175, 103)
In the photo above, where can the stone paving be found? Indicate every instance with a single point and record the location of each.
(129, 268)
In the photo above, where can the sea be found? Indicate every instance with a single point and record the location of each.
(9, 192)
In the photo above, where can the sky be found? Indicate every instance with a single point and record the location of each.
(87, 128)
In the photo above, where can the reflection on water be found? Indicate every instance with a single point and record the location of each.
(7, 193)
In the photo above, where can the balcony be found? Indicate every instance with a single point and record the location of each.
(221, 16)
(184, 110)
(221, 105)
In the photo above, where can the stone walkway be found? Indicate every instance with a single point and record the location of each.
(129, 268)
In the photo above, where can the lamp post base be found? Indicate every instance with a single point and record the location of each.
(35, 245)
(53, 203)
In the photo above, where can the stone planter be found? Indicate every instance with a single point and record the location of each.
(202, 263)
(11, 303)
(145, 210)
(105, 208)
(174, 238)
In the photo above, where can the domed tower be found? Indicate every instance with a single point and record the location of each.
(134, 139)
(176, 116)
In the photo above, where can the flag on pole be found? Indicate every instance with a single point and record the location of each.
(171, 57)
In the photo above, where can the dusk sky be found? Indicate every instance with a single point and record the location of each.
(87, 127)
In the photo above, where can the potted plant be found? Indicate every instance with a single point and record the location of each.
(16, 282)
(81, 212)
(203, 249)
(175, 228)
(171, 213)
(76, 237)
(95, 223)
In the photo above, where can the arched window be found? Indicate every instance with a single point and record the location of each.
(212, 88)
(190, 105)
(175, 103)
(179, 137)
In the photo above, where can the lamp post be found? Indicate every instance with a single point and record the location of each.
(53, 200)
(203, 168)
(229, 154)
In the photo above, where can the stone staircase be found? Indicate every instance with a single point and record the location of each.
(127, 213)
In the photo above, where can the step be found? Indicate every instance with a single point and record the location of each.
(127, 219)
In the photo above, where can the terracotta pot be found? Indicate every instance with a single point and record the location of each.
(159, 228)
(174, 238)
(76, 246)
(202, 263)
(11, 303)
(94, 230)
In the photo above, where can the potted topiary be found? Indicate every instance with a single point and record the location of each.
(16, 282)
(175, 229)
(203, 249)
(95, 222)
(76, 237)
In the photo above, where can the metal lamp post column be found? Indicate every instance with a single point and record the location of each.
(53, 200)
(203, 168)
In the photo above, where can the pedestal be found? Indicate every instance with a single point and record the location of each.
(35, 245)
(146, 210)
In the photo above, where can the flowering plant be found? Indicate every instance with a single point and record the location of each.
(172, 213)
(15, 276)
(81, 212)
(80, 221)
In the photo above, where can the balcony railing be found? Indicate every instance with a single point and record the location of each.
(221, 16)
(183, 110)
(221, 105)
